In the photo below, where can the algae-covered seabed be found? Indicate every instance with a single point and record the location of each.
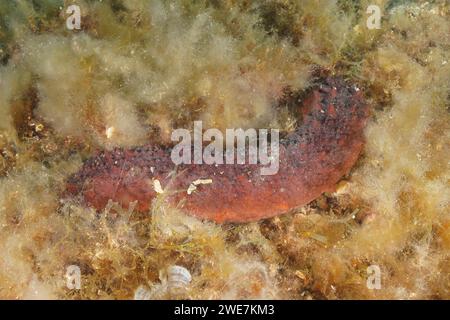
(146, 67)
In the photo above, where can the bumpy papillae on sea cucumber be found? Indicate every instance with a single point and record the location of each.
(312, 159)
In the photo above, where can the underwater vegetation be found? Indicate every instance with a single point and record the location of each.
(136, 70)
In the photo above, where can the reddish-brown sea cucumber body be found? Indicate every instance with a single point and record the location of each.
(313, 158)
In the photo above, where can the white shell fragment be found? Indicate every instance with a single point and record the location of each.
(193, 186)
(109, 132)
(174, 283)
(142, 293)
(157, 186)
(178, 278)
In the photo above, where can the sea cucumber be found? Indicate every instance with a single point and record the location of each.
(313, 158)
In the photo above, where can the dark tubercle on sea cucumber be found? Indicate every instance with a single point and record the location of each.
(313, 158)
